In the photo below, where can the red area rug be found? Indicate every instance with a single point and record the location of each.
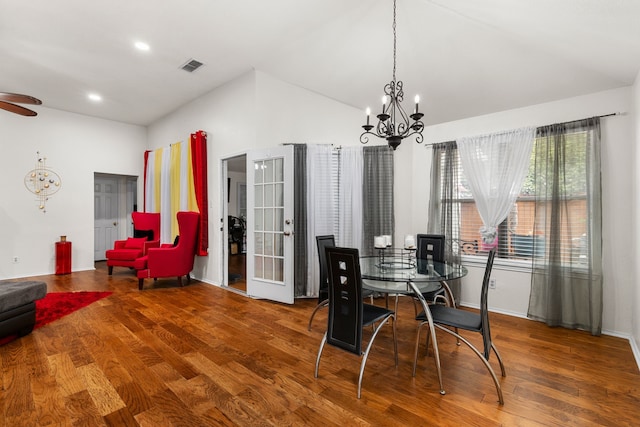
(56, 305)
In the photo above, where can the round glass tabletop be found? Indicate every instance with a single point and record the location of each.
(391, 273)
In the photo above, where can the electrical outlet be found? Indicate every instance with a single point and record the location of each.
(492, 283)
(15, 259)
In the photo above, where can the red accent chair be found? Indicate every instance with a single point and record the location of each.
(130, 253)
(174, 260)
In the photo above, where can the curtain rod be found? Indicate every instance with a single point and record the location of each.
(619, 113)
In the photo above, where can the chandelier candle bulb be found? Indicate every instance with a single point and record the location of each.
(368, 114)
(384, 103)
(417, 102)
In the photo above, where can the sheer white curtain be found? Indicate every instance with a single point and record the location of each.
(495, 166)
(321, 212)
(350, 198)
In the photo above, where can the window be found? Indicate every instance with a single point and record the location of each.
(523, 234)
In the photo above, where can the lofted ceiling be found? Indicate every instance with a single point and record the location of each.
(464, 57)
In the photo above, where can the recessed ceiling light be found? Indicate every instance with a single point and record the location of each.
(142, 46)
(95, 97)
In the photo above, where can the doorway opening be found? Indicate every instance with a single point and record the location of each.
(235, 212)
(115, 197)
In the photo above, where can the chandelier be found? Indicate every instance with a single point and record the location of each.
(393, 123)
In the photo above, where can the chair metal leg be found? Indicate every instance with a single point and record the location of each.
(415, 354)
(432, 332)
(322, 304)
(450, 297)
(395, 310)
(436, 353)
(395, 340)
(481, 356)
(370, 344)
(322, 343)
(495, 350)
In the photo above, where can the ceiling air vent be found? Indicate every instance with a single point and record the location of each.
(192, 65)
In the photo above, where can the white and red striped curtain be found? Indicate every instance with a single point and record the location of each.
(175, 179)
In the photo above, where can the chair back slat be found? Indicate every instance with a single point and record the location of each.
(344, 329)
(324, 242)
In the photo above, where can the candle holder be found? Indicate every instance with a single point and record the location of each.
(396, 259)
(410, 254)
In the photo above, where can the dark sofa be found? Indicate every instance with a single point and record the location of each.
(17, 306)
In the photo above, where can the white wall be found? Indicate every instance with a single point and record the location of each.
(512, 293)
(289, 114)
(253, 111)
(635, 197)
(76, 146)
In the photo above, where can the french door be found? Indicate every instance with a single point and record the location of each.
(270, 226)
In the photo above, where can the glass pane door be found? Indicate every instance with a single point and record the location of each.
(270, 224)
(268, 211)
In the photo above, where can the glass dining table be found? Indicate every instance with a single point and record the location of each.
(393, 272)
(398, 271)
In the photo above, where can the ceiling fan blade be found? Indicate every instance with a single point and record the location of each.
(20, 99)
(17, 109)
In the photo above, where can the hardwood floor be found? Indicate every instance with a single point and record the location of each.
(203, 356)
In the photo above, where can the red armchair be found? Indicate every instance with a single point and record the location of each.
(173, 260)
(130, 253)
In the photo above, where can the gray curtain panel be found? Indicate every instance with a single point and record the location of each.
(566, 286)
(377, 194)
(300, 219)
(444, 211)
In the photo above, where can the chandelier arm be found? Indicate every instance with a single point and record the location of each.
(418, 134)
(382, 129)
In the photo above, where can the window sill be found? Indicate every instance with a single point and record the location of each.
(498, 263)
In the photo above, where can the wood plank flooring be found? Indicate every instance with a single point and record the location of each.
(204, 356)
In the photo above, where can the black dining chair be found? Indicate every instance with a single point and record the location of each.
(432, 247)
(322, 243)
(445, 318)
(348, 315)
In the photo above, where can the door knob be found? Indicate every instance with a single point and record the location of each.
(115, 223)
(287, 233)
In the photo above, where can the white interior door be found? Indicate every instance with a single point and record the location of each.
(270, 224)
(106, 214)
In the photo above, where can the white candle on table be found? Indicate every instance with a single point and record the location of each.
(379, 242)
(387, 240)
(409, 242)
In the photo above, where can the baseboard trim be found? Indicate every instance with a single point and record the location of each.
(635, 350)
